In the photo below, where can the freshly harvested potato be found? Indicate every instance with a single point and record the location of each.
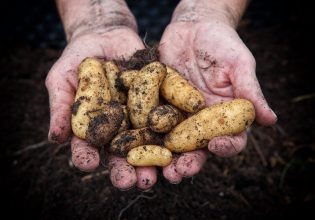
(112, 74)
(179, 92)
(127, 77)
(103, 127)
(92, 95)
(228, 118)
(164, 118)
(143, 94)
(126, 140)
(125, 123)
(149, 155)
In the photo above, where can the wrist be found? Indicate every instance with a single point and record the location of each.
(227, 12)
(82, 17)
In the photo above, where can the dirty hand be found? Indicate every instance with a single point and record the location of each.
(107, 41)
(214, 59)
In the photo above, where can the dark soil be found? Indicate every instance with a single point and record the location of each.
(273, 178)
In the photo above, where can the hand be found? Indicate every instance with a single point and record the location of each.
(213, 58)
(62, 82)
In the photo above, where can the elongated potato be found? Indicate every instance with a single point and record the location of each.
(164, 118)
(149, 155)
(126, 140)
(125, 123)
(127, 77)
(143, 94)
(112, 74)
(228, 118)
(179, 92)
(103, 127)
(91, 96)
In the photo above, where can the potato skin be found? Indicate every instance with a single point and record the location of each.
(179, 92)
(164, 118)
(149, 155)
(112, 75)
(91, 96)
(126, 140)
(125, 123)
(143, 94)
(127, 77)
(228, 118)
(103, 127)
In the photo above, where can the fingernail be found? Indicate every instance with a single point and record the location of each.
(123, 190)
(144, 190)
(175, 182)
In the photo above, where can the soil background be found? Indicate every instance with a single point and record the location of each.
(273, 178)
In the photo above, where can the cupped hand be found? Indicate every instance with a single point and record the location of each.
(214, 59)
(62, 83)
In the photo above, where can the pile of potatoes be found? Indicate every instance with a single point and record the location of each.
(143, 114)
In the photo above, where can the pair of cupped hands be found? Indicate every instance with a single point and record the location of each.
(210, 55)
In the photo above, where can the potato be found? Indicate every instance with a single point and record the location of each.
(164, 118)
(228, 118)
(149, 155)
(179, 92)
(127, 77)
(125, 141)
(103, 127)
(125, 123)
(91, 96)
(143, 94)
(112, 74)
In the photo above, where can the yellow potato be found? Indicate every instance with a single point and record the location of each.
(164, 118)
(228, 118)
(127, 77)
(143, 94)
(91, 96)
(125, 123)
(179, 92)
(103, 127)
(149, 155)
(126, 140)
(112, 74)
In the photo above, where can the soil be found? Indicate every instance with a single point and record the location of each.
(273, 178)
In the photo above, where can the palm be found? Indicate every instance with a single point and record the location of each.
(206, 55)
(62, 82)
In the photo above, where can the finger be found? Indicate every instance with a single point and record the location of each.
(190, 163)
(170, 172)
(84, 156)
(122, 174)
(61, 95)
(246, 86)
(227, 146)
(146, 177)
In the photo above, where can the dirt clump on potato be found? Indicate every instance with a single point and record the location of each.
(105, 126)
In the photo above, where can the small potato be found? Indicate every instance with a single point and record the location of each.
(179, 92)
(126, 140)
(125, 123)
(143, 94)
(164, 118)
(127, 77)
(91, 96)
(103, 127)
(228, 118)
(112, 74)
(149, 155)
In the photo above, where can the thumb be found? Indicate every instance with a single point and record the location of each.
(61, 84)
(246, 85)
